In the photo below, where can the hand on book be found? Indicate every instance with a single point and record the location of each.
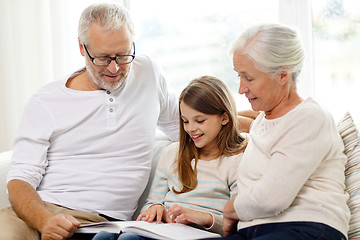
(230, 218)
(157, 211)
(185, 215)
(229, 226)
(59, 226)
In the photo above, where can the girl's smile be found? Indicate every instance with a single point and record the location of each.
(202, 128)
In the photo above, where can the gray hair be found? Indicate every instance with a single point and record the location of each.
(270, 46)
(111, 16)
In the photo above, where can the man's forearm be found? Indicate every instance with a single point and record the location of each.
(245, 118)
(248, 113)
(244, 123)
(27, 203)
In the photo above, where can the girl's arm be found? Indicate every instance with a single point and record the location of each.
(180, 214)
(159, 188)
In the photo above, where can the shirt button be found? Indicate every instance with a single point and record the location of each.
(111, 109)
(108, 92)
(111, 99)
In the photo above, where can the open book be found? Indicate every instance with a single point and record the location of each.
(169, 231)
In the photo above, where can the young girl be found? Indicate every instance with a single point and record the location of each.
(197, 176)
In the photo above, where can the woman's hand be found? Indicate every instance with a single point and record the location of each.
(185, 215)
(229, 226)
(156, 210)
(230, 218)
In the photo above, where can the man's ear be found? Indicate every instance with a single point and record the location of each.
(81, 47)
(225, 119)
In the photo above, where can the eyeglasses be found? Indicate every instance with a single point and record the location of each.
(104, 61)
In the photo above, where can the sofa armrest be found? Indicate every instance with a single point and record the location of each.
(5, 158)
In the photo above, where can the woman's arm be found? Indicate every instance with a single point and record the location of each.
(230, 218)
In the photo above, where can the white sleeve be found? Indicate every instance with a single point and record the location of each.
(295, 151)
(29, 158)
(168, 121)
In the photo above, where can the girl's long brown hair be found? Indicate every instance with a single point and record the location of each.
(212, 96)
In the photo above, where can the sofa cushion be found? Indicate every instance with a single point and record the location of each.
(351, 139)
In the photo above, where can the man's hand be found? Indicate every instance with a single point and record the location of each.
(28, 205)
(185, 215)
(156, 210)
(245, 118)
(59, 226)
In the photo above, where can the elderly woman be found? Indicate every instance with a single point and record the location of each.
(291, 177)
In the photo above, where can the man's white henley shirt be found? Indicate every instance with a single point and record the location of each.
(92, 150)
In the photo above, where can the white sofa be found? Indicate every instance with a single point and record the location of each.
(347, 129)
(5, 158)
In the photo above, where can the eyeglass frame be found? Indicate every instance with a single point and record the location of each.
(110, 59)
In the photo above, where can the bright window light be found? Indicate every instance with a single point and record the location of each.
(192, 38)
(336, 31)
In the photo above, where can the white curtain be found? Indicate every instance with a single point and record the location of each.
(38, 44)
(297, 13)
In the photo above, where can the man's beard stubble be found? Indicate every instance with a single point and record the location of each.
(97, 79)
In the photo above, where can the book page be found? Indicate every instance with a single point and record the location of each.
(113, 227)
(174, 231)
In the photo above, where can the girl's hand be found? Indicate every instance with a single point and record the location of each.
(156, 210)
(184, 215)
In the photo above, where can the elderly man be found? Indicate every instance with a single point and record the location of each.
(84, 147)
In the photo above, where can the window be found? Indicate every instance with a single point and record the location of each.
(191, 38)
(336, 34)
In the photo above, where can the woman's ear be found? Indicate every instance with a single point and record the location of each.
(285, 74)
(225, 119)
